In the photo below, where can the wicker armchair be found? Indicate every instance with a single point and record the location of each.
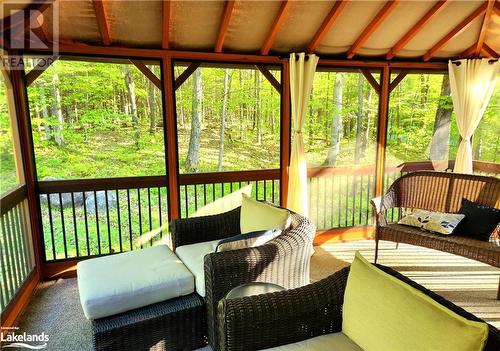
(438, 191)
(280, 318)
(283, 261)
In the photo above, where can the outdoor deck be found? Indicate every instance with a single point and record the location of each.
(55, 308)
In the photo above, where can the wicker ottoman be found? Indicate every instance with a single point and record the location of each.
(176, 324)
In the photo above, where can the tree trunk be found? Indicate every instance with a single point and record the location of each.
(258, 112)
(223, 119)
(193, 158)
(441, 134)
(368, 121)
(152, 107)
(57, 111)
(129, 83)
(359, 120)
(335, 136)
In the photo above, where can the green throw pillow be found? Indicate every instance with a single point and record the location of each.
(381, 312)
(256, 216)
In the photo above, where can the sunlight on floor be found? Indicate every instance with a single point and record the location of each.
(469, 284)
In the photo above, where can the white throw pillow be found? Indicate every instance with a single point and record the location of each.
(256, 215)
(438, 222)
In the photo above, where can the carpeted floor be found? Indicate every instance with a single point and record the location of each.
(55, 308)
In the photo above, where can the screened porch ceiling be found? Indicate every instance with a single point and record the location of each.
(422, 30)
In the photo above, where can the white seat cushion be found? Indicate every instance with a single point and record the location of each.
(328, 342)
(118, 283)
(193, 257)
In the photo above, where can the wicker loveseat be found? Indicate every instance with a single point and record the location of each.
(443, 192)
(285, 317)
(284, 260)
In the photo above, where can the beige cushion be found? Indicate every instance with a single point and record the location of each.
(437, 222)
(122, 282)
(224, 204)
(328, 342)
(193, 257)
(256, 215)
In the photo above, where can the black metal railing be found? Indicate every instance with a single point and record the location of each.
(16, 254)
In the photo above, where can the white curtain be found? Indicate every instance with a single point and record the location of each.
(471, 83)
(302, 71)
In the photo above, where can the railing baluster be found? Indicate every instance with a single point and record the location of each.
(140, 215)
(213, 191)
(195, 198)
(256, 190)
(369, 191)
(324, 203)
(13, 250)
(5, 291)
(186, 203)
(75, 230)
(63, 226)
(159, 212)
(346, 199)
(265, 190)
(150, 217)
(20, 240)
(26, 234)
(97, 223)
(51, 228)
(87, 237)
(118, 215)
(6, 266)
(204, 194)
(272, 189)
(110, 245)
(8, 257)
(222, 189)
(129, 220)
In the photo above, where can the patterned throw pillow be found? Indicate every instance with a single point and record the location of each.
(243, 241)
(438, 222)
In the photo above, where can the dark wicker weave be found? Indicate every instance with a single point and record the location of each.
(438, 191)
(283, 261)
(284, 317)
(177, 324)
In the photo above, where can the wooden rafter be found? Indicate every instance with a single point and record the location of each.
(269, 76)
(497, 8)
(275, 27)
(186, 74)
(405, 39)
(455, 31)
(469, 52)
(490, 51)
(371, 79)
(372, 27)
(397, 80)
(147, 72)
(39, 68)
(224, 24)
(165, 37)
(102, 22)
(326, 25)
(484, 27)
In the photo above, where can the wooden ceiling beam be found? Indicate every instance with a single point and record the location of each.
(405, 39)
(455, 31)
(326, 25)
(371, 79)
(102, 22)
(397, 80)
(224, 24)
(469, 52)
(165, 34)
(275, 27)
(148, 73)
(490, 51)
(484, 27)
(269, 76)
(372, 27)
(186, 74)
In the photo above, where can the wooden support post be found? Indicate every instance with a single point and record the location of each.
(147, 72)
(170, 138)
(286, 125)
(269, 76)
(37, 71)
(397, 80)
(186, 74)
(369, 77)
(383, 116)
